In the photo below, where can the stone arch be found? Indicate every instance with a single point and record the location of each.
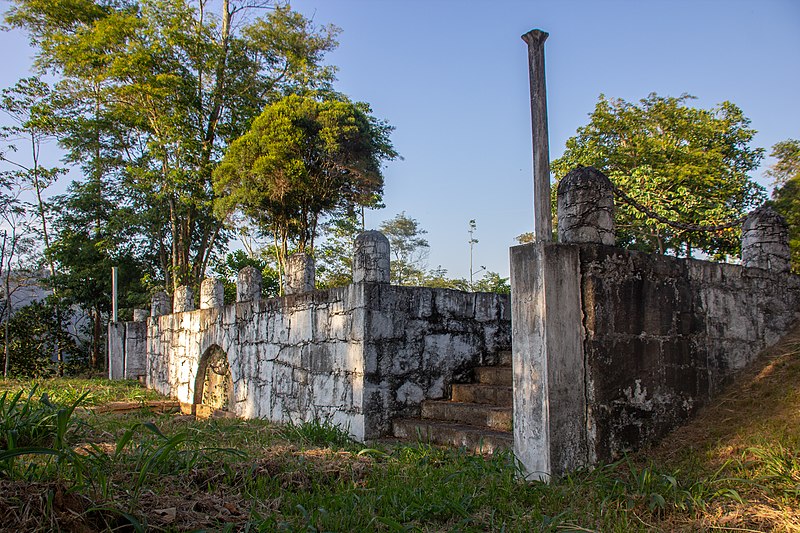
(213, 389)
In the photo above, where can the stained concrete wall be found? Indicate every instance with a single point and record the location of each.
(613, 348)
(355, 355)
(420, 340)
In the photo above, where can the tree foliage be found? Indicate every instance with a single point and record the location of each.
(305, 157)
(155, 90)
(227, 269)
(786, 195)
(687, 164)
(409, 249)
(34, 333)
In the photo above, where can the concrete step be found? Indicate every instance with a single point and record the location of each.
(494, 375)
(475, 439)
(497, 395)
(474, 414)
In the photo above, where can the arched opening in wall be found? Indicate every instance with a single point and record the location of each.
(213, 390)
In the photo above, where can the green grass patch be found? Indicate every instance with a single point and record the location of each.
(94, 391)
(736, 468)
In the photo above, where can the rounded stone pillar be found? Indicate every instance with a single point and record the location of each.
(586, 207)
(160, 304)
(248, 285)
(140, 315)
(371, 258)
(183, 299)
(212, 294)
(299, 276)
(765, 241)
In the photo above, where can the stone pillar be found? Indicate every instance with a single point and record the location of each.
(542, 211)
(116, 350)
(212, 294)
(299, 276)
(586, 207)
(371, 258)
(765, 241)
(248, 285)
(160, 304)
(135, 350)
(183, 299)
(140, 315)
(551, 431)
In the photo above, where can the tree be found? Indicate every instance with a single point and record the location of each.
(334, 256)
(156, 89)
(305, 157)
(409, 249)
(786, 195)
(28, 106)
(32, 333)
(94, 234)
(688, 165)
(15, 266)
(227, 269)
(492, 282)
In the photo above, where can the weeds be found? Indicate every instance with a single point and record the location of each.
(145, 471)
(318, 432)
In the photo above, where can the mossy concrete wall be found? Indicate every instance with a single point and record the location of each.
(614, 348)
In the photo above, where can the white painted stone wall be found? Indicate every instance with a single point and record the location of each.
(355, 355)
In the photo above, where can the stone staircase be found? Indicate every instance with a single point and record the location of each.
(477, 417)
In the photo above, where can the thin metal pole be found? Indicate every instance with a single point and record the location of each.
(542, 210)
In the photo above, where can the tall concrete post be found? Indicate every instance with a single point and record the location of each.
(542, 211)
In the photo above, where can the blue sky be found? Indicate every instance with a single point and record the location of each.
(451, 76)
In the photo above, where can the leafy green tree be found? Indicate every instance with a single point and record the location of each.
(34, 333)
(688, 165)
(334, 255)
(786, 195)
(228, 269)
(157, 89)
(409, 249)
(93, 235)
(28, 105)
(304, 158)
(492, 282)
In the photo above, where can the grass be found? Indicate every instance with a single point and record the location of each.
(96, 391)
(735, 468)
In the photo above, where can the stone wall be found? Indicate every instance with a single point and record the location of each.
(614, 348)
(420, 340)
(664, 335)
(297, 357)
(356, 356)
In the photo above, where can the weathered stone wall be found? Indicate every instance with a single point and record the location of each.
(420, 340)
(355, 355)
(135, 349)
(614, 348)
(663, 335)
(297, 357)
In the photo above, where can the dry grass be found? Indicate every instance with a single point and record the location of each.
(751, 434)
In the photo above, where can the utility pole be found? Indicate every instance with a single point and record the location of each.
(472, 242)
